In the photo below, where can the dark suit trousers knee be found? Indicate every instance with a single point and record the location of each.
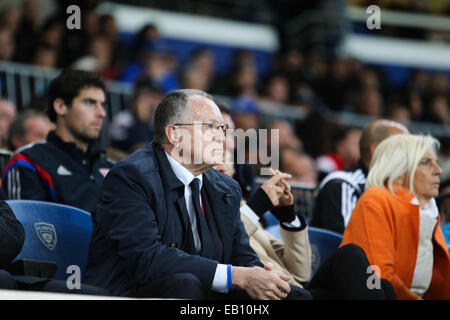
(177, 286)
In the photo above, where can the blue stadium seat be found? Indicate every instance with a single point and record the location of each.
(323, 244)
(268, 219)
(54, 232)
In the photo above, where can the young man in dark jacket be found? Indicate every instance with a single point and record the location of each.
(69, 166)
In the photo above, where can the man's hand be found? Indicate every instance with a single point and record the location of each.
(261, 283)
(278, 190)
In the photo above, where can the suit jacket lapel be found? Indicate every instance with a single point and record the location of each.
(222, 209)
(174, 190)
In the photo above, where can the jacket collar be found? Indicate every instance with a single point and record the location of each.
(363, 168)
(168, 177)
(71, 148)
(183, 174)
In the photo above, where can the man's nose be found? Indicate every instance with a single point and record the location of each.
(101, 112)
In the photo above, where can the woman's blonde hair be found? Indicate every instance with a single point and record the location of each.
(397, 155)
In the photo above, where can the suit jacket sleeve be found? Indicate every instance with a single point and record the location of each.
(12, 235)
(129, 223)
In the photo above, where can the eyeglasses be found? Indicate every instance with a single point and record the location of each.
(213, 126)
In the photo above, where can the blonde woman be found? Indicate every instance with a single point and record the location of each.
(396, 221)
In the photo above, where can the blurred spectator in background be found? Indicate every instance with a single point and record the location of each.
(7, 114)
(339, 191)
(28, 126)
(28, 30)
(45, 56)
(245, 113)
(286, 134)
(156, 62)
(242, 77)
(108, 29)
(130, 130)
(370, 102)
(444, 209)
(98, 58)
(416, 106)
(345, 151)
(75, 41)
(334, 86)
(7, 44)
(310, 129)
(52, 32)
(10, 19)
(298, 164)
(290, 63)
(277, 90)
(241, 172)
(147, 34)
(438, 111)
(418, 81)
(437, 85)
(400, 112)
(199, 71)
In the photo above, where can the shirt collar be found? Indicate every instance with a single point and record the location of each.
(183, 174)
(71, 148)
(429, 209)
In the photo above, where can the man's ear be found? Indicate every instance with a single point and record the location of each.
(172, 134)
(60, 107)
(17, 142)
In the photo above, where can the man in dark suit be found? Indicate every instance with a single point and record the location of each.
(156, 234)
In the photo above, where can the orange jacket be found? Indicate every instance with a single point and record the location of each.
(386, 227)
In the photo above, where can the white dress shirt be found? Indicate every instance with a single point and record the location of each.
(423, 270)
(184, 175)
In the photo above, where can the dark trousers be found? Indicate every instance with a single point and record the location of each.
(29, 283)
(188, 286)
(344, 276)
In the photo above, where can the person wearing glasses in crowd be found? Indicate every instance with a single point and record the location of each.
(167, 226)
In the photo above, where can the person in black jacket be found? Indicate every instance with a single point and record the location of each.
(69, 166)
(340, 190)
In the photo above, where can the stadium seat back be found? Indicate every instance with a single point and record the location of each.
(54, 232)
(323, 244)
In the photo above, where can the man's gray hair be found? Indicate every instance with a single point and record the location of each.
(172, 109)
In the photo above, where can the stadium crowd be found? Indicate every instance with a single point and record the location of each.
(125, 206)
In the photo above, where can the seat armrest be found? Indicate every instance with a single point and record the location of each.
(31, 267)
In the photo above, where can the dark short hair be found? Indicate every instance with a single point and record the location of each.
(171, 108)
(68, 84)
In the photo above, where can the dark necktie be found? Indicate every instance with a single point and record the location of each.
(205, 236)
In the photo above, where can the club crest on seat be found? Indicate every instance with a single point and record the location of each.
(47, 234)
